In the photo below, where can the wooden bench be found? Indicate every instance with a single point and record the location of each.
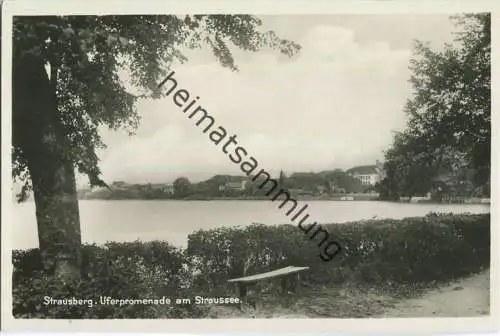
(284, 273)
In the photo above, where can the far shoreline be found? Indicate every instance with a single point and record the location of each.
(484, 201)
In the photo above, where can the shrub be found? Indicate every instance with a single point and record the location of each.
(220, 254)
(378, 252)
(424, 249)
(118, 270)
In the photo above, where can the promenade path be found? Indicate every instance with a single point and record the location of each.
(464, 298)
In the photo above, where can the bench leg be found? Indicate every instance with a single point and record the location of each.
(242, 291)
(258, 296)
(296, 285)
(290, 284)
(284, 285)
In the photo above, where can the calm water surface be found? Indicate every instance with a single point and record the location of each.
(173, 221)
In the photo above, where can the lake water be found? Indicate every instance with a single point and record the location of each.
(130, 220)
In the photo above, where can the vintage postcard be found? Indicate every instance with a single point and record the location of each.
(212, 166)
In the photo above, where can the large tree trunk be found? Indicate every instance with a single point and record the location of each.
(57, 216)
(38, 133)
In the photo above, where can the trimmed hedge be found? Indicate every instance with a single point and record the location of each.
(379, 252)
(424, 249)
(119, 270)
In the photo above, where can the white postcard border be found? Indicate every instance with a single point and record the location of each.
(195, 326)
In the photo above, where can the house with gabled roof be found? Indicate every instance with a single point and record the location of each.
(369, 175)
(237, 183)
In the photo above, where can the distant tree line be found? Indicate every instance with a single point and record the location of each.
(327, 182)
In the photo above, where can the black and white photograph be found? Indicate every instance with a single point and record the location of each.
(227, 166)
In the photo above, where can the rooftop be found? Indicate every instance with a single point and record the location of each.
(363, 170)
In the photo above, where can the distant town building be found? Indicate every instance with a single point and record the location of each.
(165, 188)
(368, 175)
(381, 171)
(239, 186)
(123, 186)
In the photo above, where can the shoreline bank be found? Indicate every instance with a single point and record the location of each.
(484, 201)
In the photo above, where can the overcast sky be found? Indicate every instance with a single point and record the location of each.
(333, 106)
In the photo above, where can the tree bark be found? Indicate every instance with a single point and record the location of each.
(37, 131)
(57, 215)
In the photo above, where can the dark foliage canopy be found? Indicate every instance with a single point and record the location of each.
(449, 114)
(85, 55)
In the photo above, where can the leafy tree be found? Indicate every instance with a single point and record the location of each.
(282, 180)
(337, 177)
(412, 167)
(451, 105)
(307, 181)
(57, 112)
(341, 180)
(449, 124)
(415, 165)
(182, 187)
